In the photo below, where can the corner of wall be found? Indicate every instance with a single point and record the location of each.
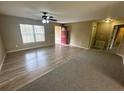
(121, 56)
(2, 61)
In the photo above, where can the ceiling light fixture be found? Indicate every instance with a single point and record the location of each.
(108, 20)
(44, 21)
(47, 21)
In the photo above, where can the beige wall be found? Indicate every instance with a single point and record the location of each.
(80, 33)
(10, 31)
(2, 52)
(103, 32)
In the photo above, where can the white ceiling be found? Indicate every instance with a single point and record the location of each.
(64, 11)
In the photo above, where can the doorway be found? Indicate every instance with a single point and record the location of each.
(116, 38)
(62, 35)
(57, 34)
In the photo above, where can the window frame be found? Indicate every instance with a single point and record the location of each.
(34, 36)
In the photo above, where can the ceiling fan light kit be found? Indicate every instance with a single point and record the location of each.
(46, 18)
(45, 21)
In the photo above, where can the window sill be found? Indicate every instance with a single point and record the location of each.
(33, 42)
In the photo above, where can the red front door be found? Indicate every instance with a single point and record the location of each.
(64, 36)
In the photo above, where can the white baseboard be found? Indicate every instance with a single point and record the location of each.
(65, 44)
(62, 44)
(11, 51)
(2, 62)
(78, 46)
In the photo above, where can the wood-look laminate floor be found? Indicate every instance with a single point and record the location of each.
(100, 70)
(21, 68)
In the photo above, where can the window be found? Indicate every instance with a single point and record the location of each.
(32, 33)
(39, 33)
(27, 33)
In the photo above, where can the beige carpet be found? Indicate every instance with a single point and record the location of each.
(90, 70)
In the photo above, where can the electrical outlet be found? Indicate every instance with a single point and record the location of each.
(16, 45)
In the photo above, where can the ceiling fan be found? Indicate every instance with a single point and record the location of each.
(47, 18)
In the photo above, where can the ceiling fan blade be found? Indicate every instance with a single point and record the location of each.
(52, 19)
(44, 16)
